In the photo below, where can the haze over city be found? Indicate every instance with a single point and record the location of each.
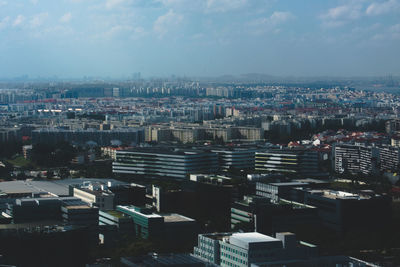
(115, 38)
(232, 133)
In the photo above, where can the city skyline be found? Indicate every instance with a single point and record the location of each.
(117, 38)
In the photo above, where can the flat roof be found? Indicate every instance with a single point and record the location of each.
(132, 209)
(332, 194)
(174, 217)
(217, 236)
(311, 180)
(165, 151)
(78, 207)
(59, 187)
(253, 237)
(116, 213)
(289, 183)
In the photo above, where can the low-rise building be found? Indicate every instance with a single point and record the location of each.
(178, 163)
(245, 249)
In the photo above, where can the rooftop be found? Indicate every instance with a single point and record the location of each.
(59, 188)
(174, 217)
(115, 213)
(132, 210)
(164, 151)
(289, 184)
(253, 237)
(217, 236)
(332, 194)
(78, 207)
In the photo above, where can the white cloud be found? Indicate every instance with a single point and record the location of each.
(389, 34)
(379, 8)
(3, 3)
(114, 3)
(34, 2)
(343, 12)
(38, 19)
(271, 23)
(341, 15)
(167, 22)
(224, 5)
(279, 17)
(4, 22)
(395, 31)
(18, 20)
(66, 17)
(124, 30)
(207, 6)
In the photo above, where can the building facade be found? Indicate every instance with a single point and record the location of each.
(165, 162)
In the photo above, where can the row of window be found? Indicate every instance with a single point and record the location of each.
(233, 264)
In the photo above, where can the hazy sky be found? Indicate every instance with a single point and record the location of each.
(73, 38)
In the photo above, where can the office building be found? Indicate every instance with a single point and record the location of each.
(178, 163)
(173, 260)
(276, 191)
(146, 223)
(102, 199)
(344, 211)
(235, 158)
(245, 249)
(295, 161)
(258, 250)
(35, 209)
(120, 220)
(255, 213)
(78, 212)
(175, 228)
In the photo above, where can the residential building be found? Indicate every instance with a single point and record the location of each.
(354, 159)
(389, 159)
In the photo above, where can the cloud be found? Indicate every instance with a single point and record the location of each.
(4, 22)
(122, 32)
(343, 12)
(18, 20)
(389, 34)
(395, 31)
(379, 8)
(224, 5)
(66, 17)
(3, 3)
(271, 23)
(38, 19)
(341, 15)
(114, 3)
(206, 6)
(34, 2)
(167, 22)
(279, 17)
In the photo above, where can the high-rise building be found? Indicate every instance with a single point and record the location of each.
(353, 158)
(389, 159)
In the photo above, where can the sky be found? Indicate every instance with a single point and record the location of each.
(116, 38)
